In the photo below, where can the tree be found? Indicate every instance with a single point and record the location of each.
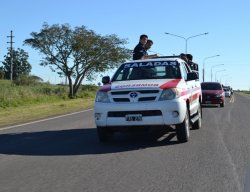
(77, 53)
(21, 66)
(1, 73)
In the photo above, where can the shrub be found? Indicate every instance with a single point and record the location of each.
(2, 74)
(89, 88)
(24, 80)
(86, 94)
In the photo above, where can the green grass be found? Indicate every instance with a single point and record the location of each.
(12, 95)
(246, 93)
(15, 115)
(19, 104)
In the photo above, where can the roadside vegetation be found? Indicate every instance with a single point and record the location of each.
(76, 53)
(246, 93)
(22, 100)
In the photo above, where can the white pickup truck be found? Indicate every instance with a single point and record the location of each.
(149, 93)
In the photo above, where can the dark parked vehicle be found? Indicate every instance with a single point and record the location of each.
(212, 94)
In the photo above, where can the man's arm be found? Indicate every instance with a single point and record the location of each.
(150, 56)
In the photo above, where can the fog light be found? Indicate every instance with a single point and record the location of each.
(175, 113)
(97, 116)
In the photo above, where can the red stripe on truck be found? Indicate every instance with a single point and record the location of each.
(170, 84)
(105, 88)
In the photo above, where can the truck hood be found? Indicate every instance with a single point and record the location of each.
(148, 83)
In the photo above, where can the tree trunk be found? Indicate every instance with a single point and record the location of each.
(71, 89)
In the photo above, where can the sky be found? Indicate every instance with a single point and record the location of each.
(226, 21)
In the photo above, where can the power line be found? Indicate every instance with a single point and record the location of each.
(11, 54)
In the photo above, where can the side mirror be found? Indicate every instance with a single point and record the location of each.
(105, 80)
(192, 76)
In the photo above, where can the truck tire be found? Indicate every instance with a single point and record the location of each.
(183, 129)
(222, 104)
(197, 124)
(104, 134)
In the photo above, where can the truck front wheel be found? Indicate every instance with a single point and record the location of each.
(197, 124)
(104, 134)
(182, 129)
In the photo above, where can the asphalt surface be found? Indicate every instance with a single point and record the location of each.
(64, 154)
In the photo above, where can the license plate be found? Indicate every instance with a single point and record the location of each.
(133, 117)
(208, 102)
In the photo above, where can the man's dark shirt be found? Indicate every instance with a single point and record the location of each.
(139, 52)
(193, 66)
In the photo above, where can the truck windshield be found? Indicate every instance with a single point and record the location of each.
(211, 86)
(148, 70)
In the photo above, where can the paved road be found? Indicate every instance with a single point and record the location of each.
(63, 154)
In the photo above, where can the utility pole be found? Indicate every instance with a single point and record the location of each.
(11, 54)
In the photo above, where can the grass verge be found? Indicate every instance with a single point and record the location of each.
(245, 93)
(16, 115)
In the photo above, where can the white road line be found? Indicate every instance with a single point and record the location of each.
(230, 160)
(231, 99)
(163, 137)
(247, 180)
(14, 126)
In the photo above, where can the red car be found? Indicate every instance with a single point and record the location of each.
(212, 94)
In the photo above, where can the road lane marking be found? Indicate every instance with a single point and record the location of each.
(163, 137)
(230, 161)
(247, 180)
(231, 99)
(47, 119)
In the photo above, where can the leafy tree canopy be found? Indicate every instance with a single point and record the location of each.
(77, 53)
(21, 66)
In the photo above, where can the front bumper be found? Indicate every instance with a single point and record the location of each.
(169, 112)
(213, 101)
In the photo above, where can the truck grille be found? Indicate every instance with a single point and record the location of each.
(127, 92)
(121, 99)
(134, 95)
(143, 113)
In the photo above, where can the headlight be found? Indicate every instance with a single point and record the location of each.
(219, 95)
(168, 94)
(102, 96)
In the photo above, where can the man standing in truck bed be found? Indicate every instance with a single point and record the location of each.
(193, 65)
(139, 50)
